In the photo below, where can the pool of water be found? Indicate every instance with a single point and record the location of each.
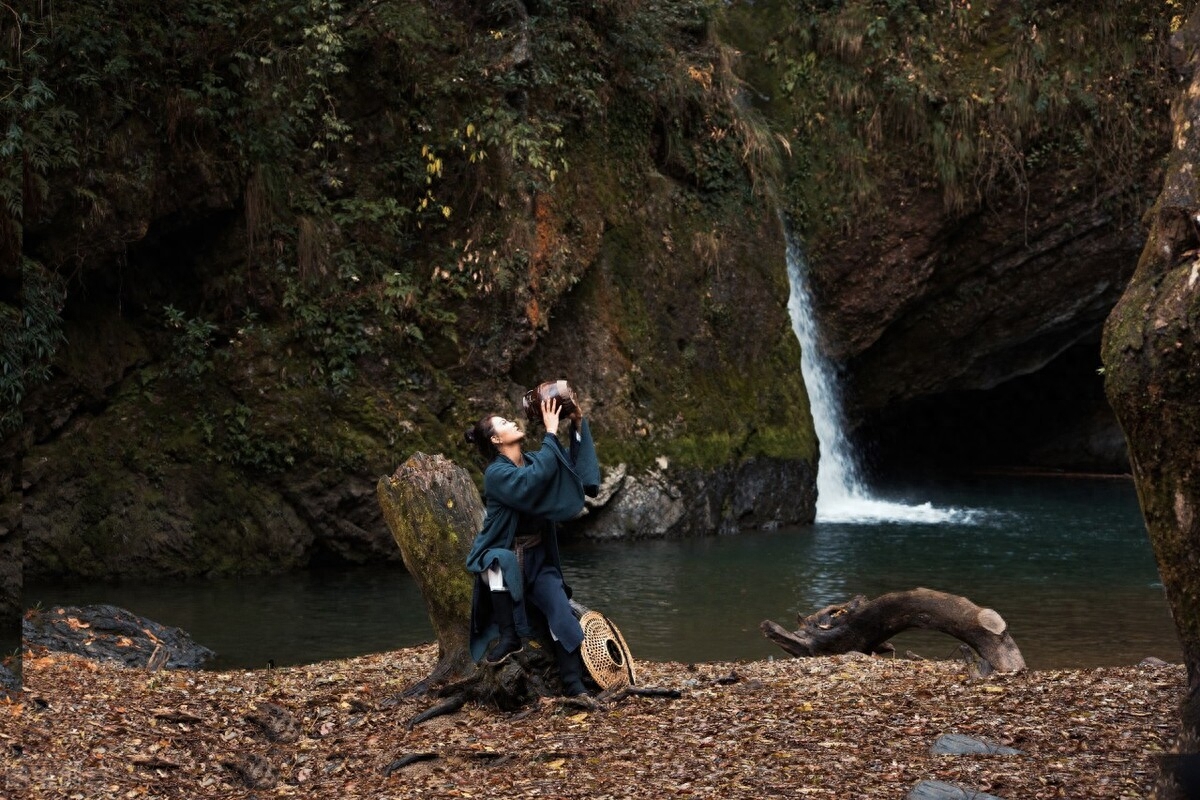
(1065, 561)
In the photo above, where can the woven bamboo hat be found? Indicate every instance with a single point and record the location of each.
(605, 653)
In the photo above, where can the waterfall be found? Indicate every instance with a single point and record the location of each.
(842, 494)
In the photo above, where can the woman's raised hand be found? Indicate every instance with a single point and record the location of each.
(550, 409)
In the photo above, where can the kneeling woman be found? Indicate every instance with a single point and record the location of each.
(515, 556)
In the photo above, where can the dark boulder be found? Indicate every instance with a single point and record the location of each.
(940, 790)
(9, 682)
(113, 634)
(957, 744)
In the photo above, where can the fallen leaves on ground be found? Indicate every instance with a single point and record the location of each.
(842, 726)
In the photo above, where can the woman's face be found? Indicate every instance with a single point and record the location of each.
(505, 431)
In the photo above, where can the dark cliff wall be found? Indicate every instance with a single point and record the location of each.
(294, 250)
(293, 243)
(972, 179)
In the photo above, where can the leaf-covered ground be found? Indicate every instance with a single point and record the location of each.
(848, 726)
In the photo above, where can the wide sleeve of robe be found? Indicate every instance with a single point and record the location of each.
(524, 488)
(551, 486)
(554, 483)
(510, 489)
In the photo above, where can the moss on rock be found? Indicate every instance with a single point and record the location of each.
(589, 212)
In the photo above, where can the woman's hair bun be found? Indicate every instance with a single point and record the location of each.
(470, 435)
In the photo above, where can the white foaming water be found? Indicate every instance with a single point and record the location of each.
(842, 495)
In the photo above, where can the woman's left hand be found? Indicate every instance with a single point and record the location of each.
(550, 409)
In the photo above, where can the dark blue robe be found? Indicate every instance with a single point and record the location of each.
(551, 486)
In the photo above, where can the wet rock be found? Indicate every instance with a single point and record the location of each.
(769, 492)
(612, 482)
(110, 633)
(939, 790)
(664, 502)
(956, 744)
(974, 301)
(1093, 441)
(86, 516)
(8, 680)
(343, 514)
(646, 506)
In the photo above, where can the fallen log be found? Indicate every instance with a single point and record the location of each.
(864, 626)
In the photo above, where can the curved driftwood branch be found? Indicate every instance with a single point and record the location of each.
(864, 626)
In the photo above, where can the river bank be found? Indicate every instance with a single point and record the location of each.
(833, 727)
(1019, 546)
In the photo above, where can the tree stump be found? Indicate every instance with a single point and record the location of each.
(434, 510)
(865, 626)
(513, 683)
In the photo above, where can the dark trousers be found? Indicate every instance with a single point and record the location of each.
(545, 591)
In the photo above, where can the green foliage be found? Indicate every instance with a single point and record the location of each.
(377, 155)
(476, 113)
(528, 143)
(335, 331)
(193, 354)
(288, 81)
(29, 335)
(236, 438)
(34, 143)
(973, 98)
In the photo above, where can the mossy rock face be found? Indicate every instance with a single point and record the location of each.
(679, 339)
(131, 527)
(971, 205)
(676, 334)
(322, 354)
(353, 326)
(132, 492)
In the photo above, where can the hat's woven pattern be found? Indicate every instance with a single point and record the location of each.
(605, 653)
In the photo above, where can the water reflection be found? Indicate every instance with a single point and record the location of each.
(288, 619)
(1065, 562)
